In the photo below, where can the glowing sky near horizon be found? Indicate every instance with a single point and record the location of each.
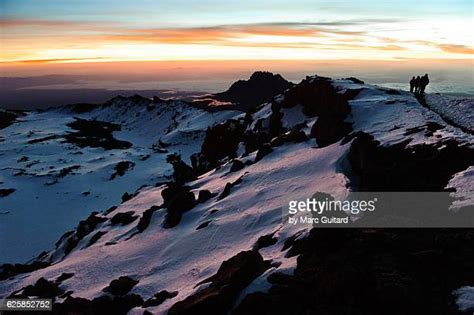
(105, 30)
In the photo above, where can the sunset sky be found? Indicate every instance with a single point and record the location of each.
(58, 31)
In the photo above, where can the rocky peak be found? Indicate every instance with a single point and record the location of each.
(261, 87)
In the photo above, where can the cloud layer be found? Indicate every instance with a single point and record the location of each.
(41, 40)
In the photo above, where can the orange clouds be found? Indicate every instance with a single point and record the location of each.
(457, 49)
(56, 60)
(209, 35)
(55, 41)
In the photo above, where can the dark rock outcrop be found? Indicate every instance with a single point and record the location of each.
(371, 271)
(422, 167)
(6, 192)
(221, 141)
(330, 129)
(237, 165)
(123, 218)
(228, 188)
(295, 135)
(146, 218)
(7, 118)
(254, 140)
(159, 298)
(260, 88)
(64, 276)
(233, 275)
(121, 168)
(205, 195)
(95, 134)
(265, 241)
(275, 126)
(83, 229)
(96, 237)
(10, 270)
(120, 286)
(263, 151)
(118, 305)
(182, 172)
(320, 98)
(178, 199)
(126, 197)
(42, 289)
(203, 225)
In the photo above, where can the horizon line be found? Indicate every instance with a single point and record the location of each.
(108, 60)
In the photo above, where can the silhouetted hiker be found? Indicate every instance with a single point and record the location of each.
(417, 84)
(412, 84)
(424, 81)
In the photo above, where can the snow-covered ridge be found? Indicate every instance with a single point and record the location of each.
(275, 158)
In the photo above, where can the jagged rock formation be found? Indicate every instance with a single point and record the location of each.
(260, 88)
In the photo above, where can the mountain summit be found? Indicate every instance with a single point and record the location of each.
(261, 87)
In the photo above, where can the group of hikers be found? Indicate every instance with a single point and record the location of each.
(418, 84)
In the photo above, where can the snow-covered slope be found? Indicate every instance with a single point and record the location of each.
(243, 211)
(58, 183)
(458, 110)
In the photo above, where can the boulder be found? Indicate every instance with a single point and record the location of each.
(126, 197)
(43, 289)
(264, 150)
(177, 199)
(265, 241)
(123, 218)
(205, 195)
(228, 188)
(237, 165)
(146, 218)
(121, 286)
